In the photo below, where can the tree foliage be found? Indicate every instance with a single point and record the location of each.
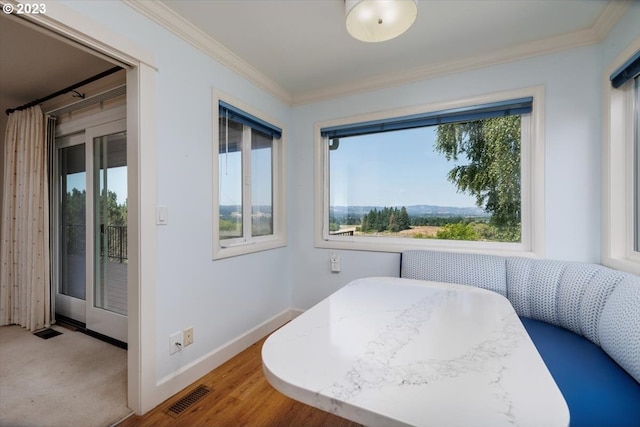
(116, 213)
(458, 231)
(492, 174)
(386, 219)
(75, 208)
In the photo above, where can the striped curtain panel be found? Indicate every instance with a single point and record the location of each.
(25, 284)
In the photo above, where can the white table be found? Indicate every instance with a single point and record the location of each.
(390, 352)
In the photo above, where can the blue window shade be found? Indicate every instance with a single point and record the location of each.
(252, 121)
(455, 115)
(626, 72)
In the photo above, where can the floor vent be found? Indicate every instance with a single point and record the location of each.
(47, 333)
(185, 403)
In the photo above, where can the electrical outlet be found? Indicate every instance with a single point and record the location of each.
(175, 342)
(188, 336)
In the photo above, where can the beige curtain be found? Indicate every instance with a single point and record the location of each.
(25, 291)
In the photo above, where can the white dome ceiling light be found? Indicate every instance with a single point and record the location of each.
(379, 20)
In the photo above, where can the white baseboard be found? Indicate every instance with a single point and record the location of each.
(190, 373)
(295, 312)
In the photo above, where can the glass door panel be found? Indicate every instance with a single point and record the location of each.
(69, 231)
(72, 227)
(107, 261)
(110, 223)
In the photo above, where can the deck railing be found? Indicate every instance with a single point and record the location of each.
(342, 233)
(115, 235)
(116, 242)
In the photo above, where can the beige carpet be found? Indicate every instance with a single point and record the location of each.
(65, 381)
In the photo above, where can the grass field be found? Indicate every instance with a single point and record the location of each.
(422, 230)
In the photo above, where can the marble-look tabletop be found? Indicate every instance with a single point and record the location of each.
(391, 352)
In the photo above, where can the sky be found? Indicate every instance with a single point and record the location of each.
(116, 179)
(230, 182)
(393, 169)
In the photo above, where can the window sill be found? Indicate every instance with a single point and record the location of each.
(376, 244)
(249, 247)
(624, 264)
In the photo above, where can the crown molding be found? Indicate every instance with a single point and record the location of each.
(167, 18)
(607, 20)
(613, 12)
(488, 59)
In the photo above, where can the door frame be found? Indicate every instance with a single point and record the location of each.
(63, 22)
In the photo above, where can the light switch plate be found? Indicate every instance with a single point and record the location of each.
(162, 215)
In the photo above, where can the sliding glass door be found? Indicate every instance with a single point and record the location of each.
(92, 260)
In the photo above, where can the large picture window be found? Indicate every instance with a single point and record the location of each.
(448, 177)
(249, 188)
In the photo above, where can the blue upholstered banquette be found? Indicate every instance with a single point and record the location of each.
(584, 319)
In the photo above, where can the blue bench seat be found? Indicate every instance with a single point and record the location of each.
(597, 390)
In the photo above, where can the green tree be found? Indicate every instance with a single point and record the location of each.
(458, 231)
(404, 221)
(386, 219)
(374, 220)
(364, 223)
(492, 175)
(393, 223)
(75, 207)
(116, 213)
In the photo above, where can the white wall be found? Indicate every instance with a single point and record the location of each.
(572, 160)
(221, 299)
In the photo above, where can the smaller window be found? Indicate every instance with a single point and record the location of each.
(621, 197)
(249, 200)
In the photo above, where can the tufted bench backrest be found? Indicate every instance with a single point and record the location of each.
(591, 300)
(620, 325)
(567, 294)
(484, 271)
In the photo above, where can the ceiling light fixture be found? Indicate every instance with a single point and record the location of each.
(379, 20)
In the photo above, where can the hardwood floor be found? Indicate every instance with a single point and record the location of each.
(239, 396)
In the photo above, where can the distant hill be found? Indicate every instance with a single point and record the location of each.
(343, 212)
(229, 210)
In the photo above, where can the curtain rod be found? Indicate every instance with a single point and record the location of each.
(65, 90)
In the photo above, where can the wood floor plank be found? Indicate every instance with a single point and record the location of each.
(239, 396)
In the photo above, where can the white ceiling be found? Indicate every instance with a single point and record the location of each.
(33, 65)
(302, 46)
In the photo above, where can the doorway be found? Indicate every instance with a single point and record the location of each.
(90, 235)
(63, 24)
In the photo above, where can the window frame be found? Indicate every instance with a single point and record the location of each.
(619, 169)
(224, 248)
(636, 169)
(532, 187)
